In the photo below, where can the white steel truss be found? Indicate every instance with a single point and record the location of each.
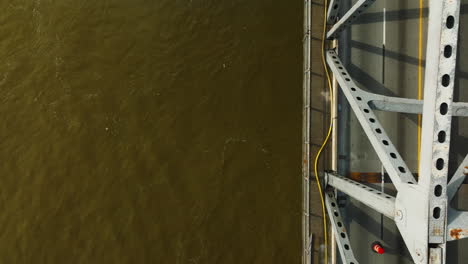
(421, 208)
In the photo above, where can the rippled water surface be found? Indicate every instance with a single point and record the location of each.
(162, 131)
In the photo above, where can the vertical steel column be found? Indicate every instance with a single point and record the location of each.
(437, 118)
(306, 239)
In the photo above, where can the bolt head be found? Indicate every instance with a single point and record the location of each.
(419, 254)
(399, 215)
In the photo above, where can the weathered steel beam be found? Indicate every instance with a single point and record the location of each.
(442, 42)
(457, 225)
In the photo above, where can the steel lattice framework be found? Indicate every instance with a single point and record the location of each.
(421, 208)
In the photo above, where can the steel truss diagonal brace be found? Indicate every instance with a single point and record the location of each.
(341, 235)
(457, 179)
(457, 221)
(349, 17)
(457, 225)
(382, 203)
(388, 155)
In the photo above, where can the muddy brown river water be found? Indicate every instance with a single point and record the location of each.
(162, 131)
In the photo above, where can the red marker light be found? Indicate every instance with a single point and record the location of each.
(377, 248)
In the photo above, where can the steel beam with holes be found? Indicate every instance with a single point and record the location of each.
(437, 118)
(332, 12)
(406, 105)
(421, 209)
(342, 239)
(380, 202)
(391, 159)
(349, 17)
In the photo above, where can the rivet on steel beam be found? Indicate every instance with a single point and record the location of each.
(419, 254)
(399, 215)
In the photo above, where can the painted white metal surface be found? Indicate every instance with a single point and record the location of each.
(371, 197)
(359, 102)
(420, 210)
(341, 236)
(349, 17)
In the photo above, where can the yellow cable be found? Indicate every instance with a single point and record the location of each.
(420, 82)
(317, 157)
